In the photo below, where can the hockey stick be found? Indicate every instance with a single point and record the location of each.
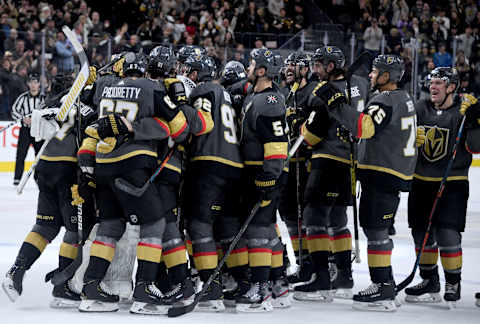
(8, 126)
(129, 58)
(69, 101)
(178, 311)
(127, 187)
(353, 180)
(410, 277)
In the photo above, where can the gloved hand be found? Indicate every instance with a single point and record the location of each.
(267, 186)
(421, 136)
(118, 67)
(84, 190)
(330, 95)
(471, 108)
(112, 125)
(92, 76)
(176, 91)
(345, 135)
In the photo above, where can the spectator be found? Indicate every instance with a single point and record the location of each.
(423, 80)
(470, 11)
(443, 22)
(466, 86)
(417, 10)
(11, 40)
(97, 26)
(436, 35)
(400, 8)
(442, 58)
(466, 42)
(64, 54)
(373, 37)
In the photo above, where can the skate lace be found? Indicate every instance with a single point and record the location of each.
(174, 291)
(71, 286)
(450, 288)
(253, 291)
(154, 290)
(370, 290)
(106, 289)
(421, 285)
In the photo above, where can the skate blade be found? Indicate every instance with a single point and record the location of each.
(378, 306)
(451, 305)
(210, 306)
(64, 303)
(323, 296)
(229, 303)
(431, 298)
(477, 303)
(264, 307)
(11, 293)
(343, 293)
(283, 301)
(95, 306)
(148, 309)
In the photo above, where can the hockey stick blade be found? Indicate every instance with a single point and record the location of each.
(127, 187)
(67, 273)
(178, 311)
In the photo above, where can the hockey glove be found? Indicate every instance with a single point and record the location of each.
(111, 125)
(330, 95)
(84, 190)
(421, 137)
(267, 187)
(345, 135)
(92, 76)
(176, 91)
(118, 67)
(471, 108)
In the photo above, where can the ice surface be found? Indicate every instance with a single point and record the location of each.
(17, 215)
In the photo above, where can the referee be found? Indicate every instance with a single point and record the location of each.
(21, 110)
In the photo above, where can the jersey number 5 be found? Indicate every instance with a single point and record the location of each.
(410, 124)
(128, 109)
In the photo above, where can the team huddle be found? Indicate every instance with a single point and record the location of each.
(164, 162)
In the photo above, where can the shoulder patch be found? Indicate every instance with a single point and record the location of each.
(272, 99)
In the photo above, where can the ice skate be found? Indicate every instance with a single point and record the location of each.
(319, 290)
(212, 300)
(181, 294)
(148, 300)
(97, 297)
(378, 297)
(280, 294)
(477, 297)
(12, 284)
(256, 300)
(230, 296)
(64, 296)
(452, 294)
(304, 275)
(343, 284)
(426, 291)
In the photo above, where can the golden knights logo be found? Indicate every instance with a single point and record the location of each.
(436, 143)
(390, 60)
(329, 50)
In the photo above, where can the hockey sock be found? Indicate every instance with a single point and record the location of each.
(68, 252)
(277, 268)
(31, 249)
(238, 258)
(178, 273)
(259, 261)
(451, 257)
(205, 255)
(149, 254)
(162, 281)
(318, 246)
(101, 255)
(428, 261)
(379, 260)
(342, 247)
(295, 238)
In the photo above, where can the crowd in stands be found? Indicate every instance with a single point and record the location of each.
(444, 28)
(224, 28)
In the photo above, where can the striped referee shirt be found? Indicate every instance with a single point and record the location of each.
(25, 104)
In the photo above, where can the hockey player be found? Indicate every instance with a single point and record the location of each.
(212, 177)
(439, 120)
(182, 55)
(234, 79)
(56, 172)
(328, 190)
(264, 145)
(126, 149)
(386, 163)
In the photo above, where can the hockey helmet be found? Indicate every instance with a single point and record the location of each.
(232, 72)
(189, 50)
(301, 59)
(329, 54)
(161, 61)
(265, 58)
(447, 74)
(204, 65)
(136, 67)
(392, 64)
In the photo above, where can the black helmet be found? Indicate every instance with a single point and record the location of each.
(189, 50)
(265, 58)
(301, 59)
(329, 54)
(161, 61)
(392, 64)
(137, 67)
(447, 74)
(232, 72)
(204, 65)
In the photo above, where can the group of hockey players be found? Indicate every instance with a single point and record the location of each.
(166, 155)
